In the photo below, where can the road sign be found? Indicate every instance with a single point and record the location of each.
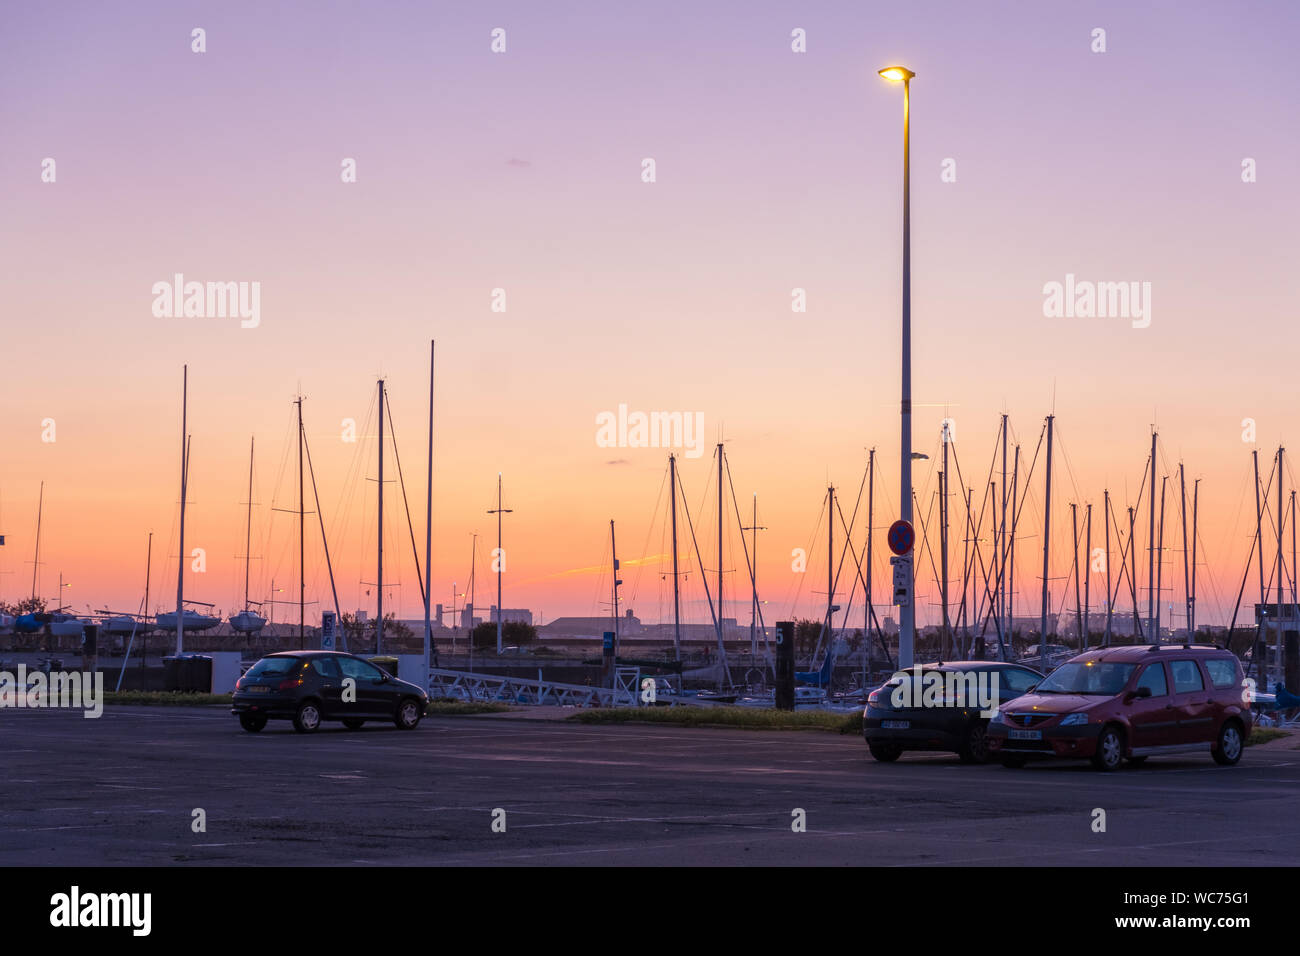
(327, 630)
(901, 537)
(902, 579)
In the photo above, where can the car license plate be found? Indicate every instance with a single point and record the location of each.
(259, 689)
(895, 724)
(1025, 735)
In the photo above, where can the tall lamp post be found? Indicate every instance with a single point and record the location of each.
(499, 556)
(907, 613)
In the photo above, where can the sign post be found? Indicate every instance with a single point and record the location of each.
(902, 538)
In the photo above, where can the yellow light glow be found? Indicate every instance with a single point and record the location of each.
(896, 74)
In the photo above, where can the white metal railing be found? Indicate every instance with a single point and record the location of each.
(462, 685)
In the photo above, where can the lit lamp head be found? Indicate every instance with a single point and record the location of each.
(896, 74)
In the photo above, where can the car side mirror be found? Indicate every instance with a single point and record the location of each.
(1140, 694)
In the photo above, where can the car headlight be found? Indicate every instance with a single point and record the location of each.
(997, 718)
(1074, 720)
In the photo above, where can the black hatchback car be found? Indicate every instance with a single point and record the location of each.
(938, 707)
(308, 687)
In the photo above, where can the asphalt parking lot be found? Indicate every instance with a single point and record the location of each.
(123, 790)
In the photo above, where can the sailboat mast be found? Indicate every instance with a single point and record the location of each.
(720, 632)
(148, 569)
(871, 514)
(830, 569)
(1277, 624)
(473, 554)
(36, 560)
(943, 538)
(1002, 576)
(998, 567)
(500, 568)
(1261, 638)
(1191, 601)
(1047, 540)
(613, 548)
(1187, 583)
(379, 620)
(1078, 607)
(302, 543)
(1151, 548)
(1109, 592)
(1087, 579)
(180, 563)
(753, 582)
(677, 613)
(966, 573)
(428, 530)
(248, 532)
(1160, 563)
(1132, 572)
(1011, 554)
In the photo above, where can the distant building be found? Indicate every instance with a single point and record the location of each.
(467, 619)
(519, 615)
(629, 625)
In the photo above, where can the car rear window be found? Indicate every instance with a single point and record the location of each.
(1223, 672)
(272, 666)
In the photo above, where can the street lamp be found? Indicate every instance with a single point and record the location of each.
(907, 613)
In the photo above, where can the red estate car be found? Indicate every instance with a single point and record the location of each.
(1129, 702)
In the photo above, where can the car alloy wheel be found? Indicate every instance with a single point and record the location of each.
(1110, 750)
(307, 719)
(1230, 745)
(408, 715)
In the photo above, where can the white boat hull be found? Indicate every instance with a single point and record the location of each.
(193, 621)
(246, 622)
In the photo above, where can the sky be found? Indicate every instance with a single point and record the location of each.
(523, 171)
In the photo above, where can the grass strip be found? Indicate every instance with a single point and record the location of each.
(741, 718)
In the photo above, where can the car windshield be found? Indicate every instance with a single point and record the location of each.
(272, 666)
(1087, 677)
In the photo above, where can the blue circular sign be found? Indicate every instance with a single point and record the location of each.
(901, 537)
